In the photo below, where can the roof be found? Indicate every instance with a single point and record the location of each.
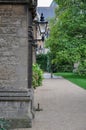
(49, 12)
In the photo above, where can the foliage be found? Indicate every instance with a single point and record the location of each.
(41, 60)
(37, 76)
(45, 62)
(82, 68)
(75, 78)
(67, 41)
(4, 124)
(64, 67)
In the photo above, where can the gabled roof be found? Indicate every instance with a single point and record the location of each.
(49, 12)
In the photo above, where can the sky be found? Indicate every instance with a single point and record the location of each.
(44, 2)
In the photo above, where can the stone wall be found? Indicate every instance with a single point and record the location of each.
(15, 96)
(13, 47)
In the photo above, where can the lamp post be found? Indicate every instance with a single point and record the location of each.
(42, 28)
(42, 24)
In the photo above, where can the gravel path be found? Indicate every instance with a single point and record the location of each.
(63, 104)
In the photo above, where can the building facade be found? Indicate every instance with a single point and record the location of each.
(16, 38)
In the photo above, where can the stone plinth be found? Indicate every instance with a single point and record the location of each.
(16, 94)
(15, 107)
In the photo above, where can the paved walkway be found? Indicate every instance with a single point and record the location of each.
(63, 104)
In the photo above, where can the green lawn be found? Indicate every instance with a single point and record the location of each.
(78, 80)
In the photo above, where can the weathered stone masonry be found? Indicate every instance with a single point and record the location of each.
(16, 94)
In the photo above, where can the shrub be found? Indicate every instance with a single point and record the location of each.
(82, 68)
(41, 59)
(37, 76)
(64, 67)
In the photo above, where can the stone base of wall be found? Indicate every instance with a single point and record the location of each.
(16, 108)
(11, 124)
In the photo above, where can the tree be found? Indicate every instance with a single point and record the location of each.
(67, 41)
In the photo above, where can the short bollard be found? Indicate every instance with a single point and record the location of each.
(38, 108)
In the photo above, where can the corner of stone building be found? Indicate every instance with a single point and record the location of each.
(16, 95)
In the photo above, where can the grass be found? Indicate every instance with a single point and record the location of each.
(74, 78)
